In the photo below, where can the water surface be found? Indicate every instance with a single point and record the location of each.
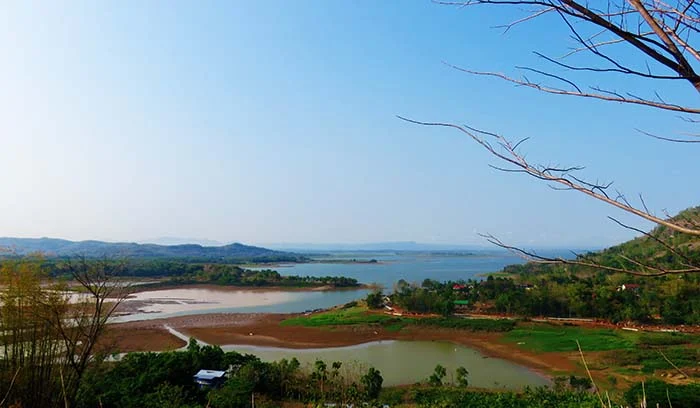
(408, 362)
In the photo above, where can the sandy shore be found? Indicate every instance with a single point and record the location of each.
(255, 289)
(264, 330)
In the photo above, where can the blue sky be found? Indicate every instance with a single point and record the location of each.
(266, 122)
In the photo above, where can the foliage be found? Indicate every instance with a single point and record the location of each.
(165, 379)
(651, 359)
(373, 383)
(47, 340)
(448, 397)
(462, 377)
(437, 376)
(375, 299)
(233, 275)
(430, 297)
(658, 392)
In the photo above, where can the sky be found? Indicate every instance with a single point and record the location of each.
(275, 122)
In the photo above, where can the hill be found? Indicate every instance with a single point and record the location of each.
(645, 249)
(61, 248)
(648, 250)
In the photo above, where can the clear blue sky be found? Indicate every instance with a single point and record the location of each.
(274, 121)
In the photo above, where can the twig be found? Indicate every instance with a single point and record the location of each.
(590, 377)
(12, 383)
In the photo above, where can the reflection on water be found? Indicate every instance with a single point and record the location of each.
(408, 362)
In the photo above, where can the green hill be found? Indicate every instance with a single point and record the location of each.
(662, 248)
(60, 248)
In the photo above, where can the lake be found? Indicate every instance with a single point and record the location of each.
(407, 362)
(391, 267)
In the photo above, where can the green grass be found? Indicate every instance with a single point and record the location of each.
(548, 338)
(359, 315)
(337, 317)
(651, 360)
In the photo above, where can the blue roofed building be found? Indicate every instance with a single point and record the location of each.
(210, 378)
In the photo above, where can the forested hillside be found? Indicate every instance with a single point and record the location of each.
(60, 248)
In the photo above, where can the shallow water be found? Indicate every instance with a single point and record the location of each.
(408, 362)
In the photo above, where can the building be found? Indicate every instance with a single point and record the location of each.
(210, 378)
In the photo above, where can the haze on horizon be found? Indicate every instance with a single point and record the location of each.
(263, 122)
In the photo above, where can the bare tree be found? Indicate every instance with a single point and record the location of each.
(49, 334)
(658, 39)
(80, 324)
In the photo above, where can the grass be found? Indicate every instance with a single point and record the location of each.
(337, 317)
(358, 315)
(651, 360)
(541, 338)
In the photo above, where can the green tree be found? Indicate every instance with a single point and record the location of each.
(462, 377)
(437, 376)
(372, 381)
(375, 299)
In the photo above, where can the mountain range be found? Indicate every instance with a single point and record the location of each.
(61, 248)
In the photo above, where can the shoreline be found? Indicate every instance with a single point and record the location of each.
(264, 330)
(230, 288)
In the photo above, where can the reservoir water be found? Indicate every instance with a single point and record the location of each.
(408, 362)
(389, 268)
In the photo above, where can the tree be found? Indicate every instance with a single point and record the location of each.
(462, 377)
(375, 299)
(50, 337)
(320, 374)
(659, 40)
(437, 376)
(372, 381)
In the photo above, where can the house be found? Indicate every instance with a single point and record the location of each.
(458, 287)
(210, 378)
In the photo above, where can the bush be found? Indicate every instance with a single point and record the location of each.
(659, 392)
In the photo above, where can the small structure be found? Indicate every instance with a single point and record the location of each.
(210, 378)
(628, 286)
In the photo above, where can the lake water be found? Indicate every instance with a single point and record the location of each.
(407, 362)
(391, 267)
(410, 266)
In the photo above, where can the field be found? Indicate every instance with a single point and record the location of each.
(545, 338)
(358, 315)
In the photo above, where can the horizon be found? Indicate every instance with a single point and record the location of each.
(251, 123)
(310, 246)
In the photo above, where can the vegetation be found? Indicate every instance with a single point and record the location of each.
(232, 275)
(63, 249)
(580, 290)
(48, 341)
(430, 297)
(663, 394)
(375, 299)
(166, 380)
(545, 338)
(448, 397)
(358, 315)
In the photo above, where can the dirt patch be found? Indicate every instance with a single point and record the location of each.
(118, 340)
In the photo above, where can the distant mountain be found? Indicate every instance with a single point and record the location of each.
(378, 246)
(182, 241)
(61, 248)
